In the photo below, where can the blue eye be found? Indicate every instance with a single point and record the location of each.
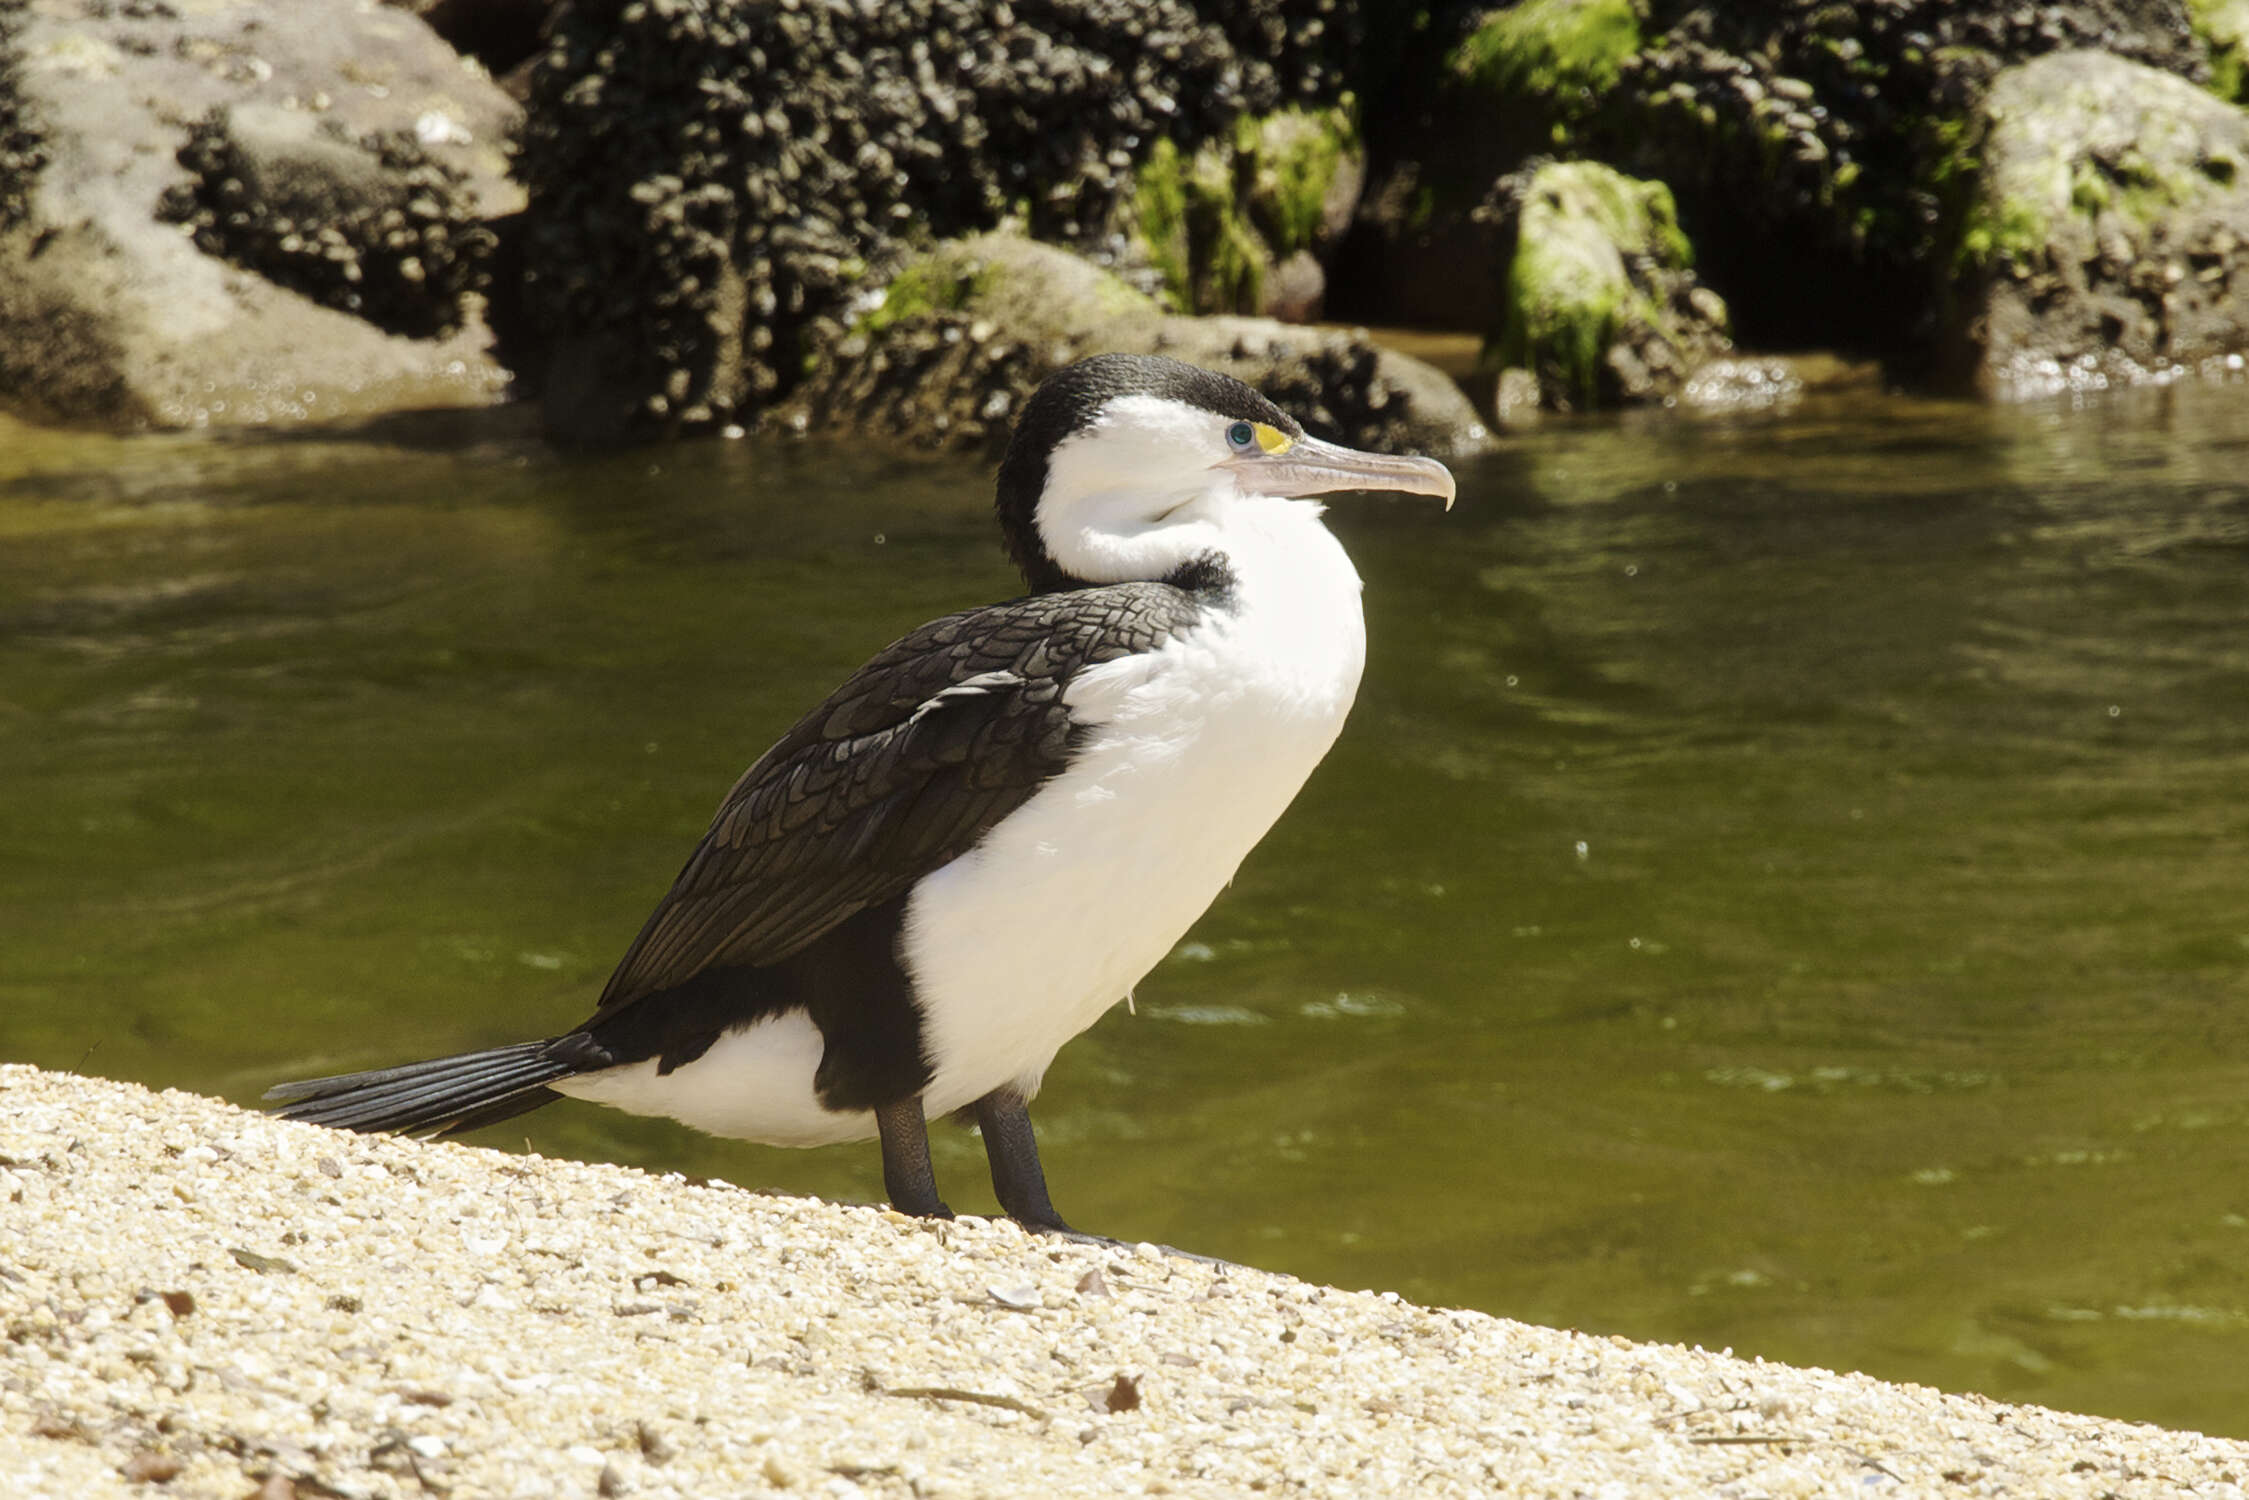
(1242, 435)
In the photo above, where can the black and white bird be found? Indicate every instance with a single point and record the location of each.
(994, 829)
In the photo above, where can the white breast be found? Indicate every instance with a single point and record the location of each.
(1023, 943)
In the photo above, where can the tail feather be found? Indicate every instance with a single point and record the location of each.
(445, 1095)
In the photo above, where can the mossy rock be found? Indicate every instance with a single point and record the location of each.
(1817, 147)
(2106, 228)
(965, 332)
(1601, 303)
(1216, 223)
(2223, 26)
(1553, 59)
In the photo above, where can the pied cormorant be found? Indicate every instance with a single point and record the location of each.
(988, 835)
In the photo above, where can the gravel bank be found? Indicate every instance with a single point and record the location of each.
(201, 1301)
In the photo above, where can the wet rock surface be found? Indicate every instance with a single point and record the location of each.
(109, 314)
(953, 347)
(204, 1302)
(2108, 235)
(707, 183)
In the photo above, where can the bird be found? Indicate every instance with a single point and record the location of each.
(991, 832)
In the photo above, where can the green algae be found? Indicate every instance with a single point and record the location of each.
(1569, 290)
(922, 287)
(2223, 27)
(1214, 223)
(1560, 52)
(2013, 214)
(1160, 205)
(1295, 156)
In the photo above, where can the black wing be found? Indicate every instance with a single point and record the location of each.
(901, 771)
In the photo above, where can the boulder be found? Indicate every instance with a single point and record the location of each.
(2106, 236)
(1601, 303)
(947, 353)
(231, 214)
(709, 184)
(1810, 143)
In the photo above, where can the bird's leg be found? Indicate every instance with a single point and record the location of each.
(906, 1172)
(1016, 1175)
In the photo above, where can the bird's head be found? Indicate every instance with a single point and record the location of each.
(1111, 456)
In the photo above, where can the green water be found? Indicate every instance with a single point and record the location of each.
(1785, 885)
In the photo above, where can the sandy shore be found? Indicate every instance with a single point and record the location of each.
(201, 1301)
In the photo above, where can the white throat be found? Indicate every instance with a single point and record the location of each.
(1119, 536)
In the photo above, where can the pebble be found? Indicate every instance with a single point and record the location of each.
(796, 1345)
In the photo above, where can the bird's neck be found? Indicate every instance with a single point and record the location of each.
(1124, 538)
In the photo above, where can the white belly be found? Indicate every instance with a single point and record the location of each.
(751, 1085)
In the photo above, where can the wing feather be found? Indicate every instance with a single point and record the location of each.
(905, 766)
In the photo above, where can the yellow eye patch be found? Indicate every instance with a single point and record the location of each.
(1265, 438)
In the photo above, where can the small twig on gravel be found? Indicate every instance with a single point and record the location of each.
(1730, 1440)
(955, 1393)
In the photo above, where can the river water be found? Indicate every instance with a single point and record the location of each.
(1785, 885)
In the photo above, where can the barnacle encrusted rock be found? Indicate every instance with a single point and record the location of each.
(109, 314)
(707, 183)
(375, 227)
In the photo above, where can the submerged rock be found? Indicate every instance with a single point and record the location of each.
(2107, 233)
(945, 356)
(1601, 301)
(326, 243)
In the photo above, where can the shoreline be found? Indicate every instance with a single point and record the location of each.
(204, 1301)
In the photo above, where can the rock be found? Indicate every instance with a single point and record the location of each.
(962, 336)
(373, 227)
(708, 184)
(1810, 142)
(2107, 231)
(1548, 63)
(1240, 225)
(1481, 93)
(331, 116)
(1601, 302)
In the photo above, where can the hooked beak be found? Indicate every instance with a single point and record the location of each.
(1311, 467)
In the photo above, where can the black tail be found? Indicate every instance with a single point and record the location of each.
(447, 1095)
